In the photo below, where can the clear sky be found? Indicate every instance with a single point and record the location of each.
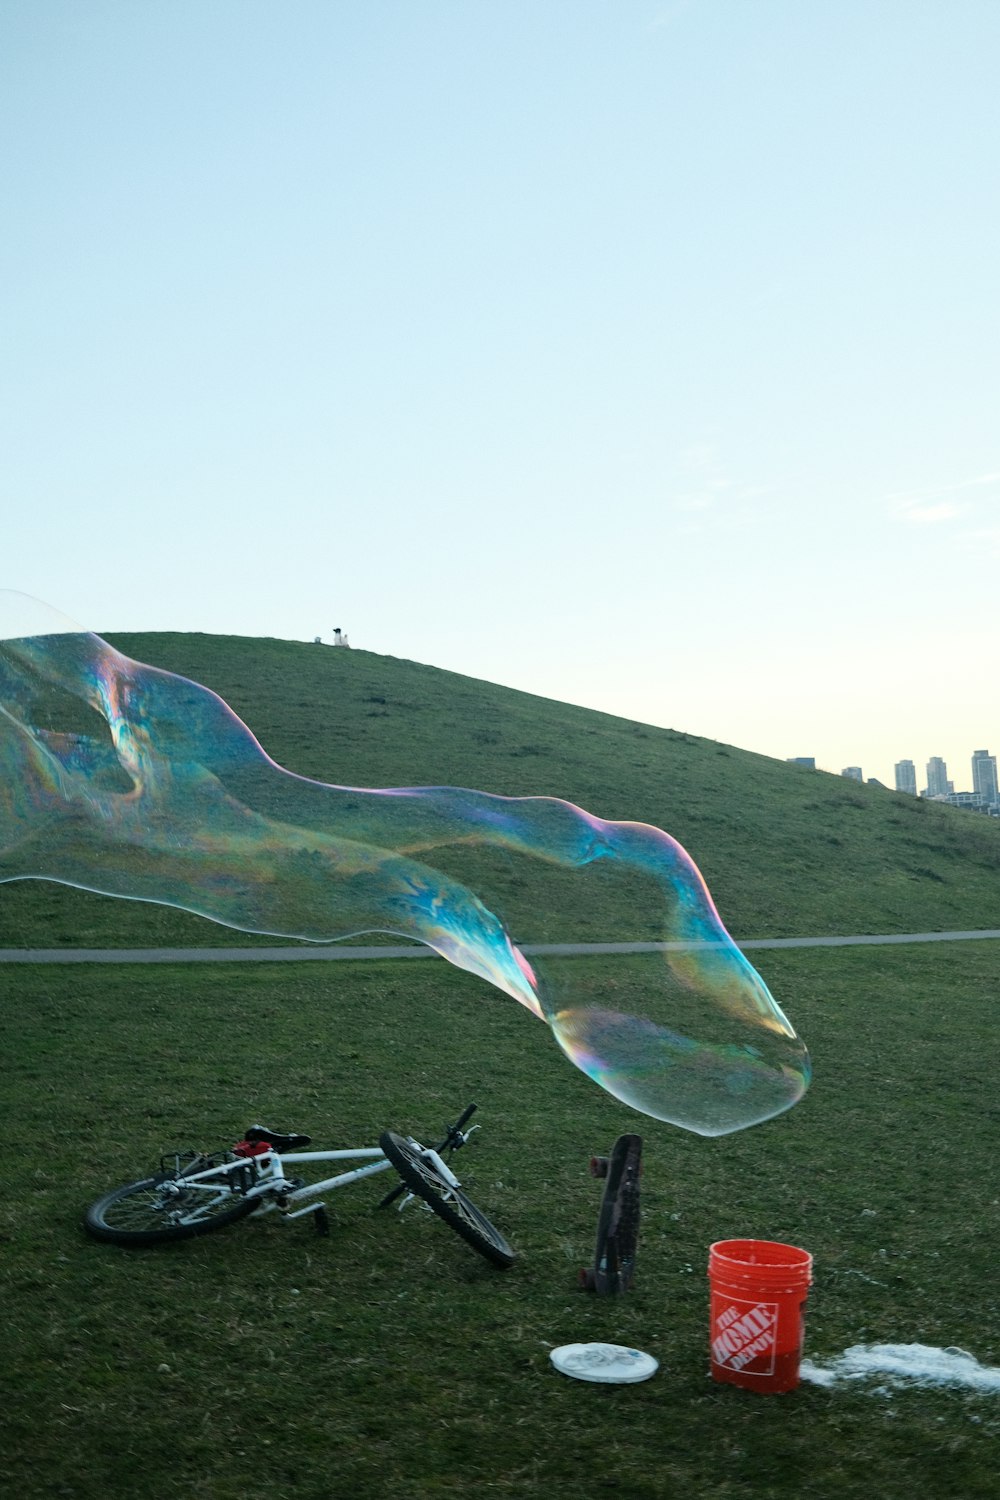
(642, 355)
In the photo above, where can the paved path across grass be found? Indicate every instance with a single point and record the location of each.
(325, 952)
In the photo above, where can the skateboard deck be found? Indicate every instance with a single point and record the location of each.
(613, 1267)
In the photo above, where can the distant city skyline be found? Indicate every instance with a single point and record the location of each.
(960, 779)
(930, 780)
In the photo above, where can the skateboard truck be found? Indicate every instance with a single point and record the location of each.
(613, 1268)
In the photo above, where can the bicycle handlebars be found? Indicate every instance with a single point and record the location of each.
(454, 1136)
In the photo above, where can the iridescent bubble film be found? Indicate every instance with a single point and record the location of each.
(130, 781)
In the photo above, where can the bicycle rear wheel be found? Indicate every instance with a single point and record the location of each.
(448, 1202)
(163, 1208)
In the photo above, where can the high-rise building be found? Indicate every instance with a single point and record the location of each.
(984, 775)
(809, 761)
(938, 784)
(854, 772)
(906, 777)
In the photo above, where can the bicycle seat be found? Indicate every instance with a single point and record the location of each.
(276, 1138)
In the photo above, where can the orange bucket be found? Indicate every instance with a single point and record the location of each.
(758, 1290)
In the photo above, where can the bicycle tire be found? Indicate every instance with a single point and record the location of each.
(140, 1214)
(449, 1203)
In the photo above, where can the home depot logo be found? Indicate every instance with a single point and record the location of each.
(745, 1332)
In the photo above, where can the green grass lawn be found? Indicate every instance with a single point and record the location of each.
(265, 1362)
(388, 1359)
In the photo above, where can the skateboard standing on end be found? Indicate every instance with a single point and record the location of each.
(618, 1222)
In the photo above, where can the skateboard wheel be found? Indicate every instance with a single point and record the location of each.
(599, 1166)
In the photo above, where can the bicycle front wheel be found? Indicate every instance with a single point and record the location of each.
(448, 1202)
(159, 1209)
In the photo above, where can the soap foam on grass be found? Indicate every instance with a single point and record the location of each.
(898, 1364)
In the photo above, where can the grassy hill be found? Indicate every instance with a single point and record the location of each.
(263, 1363)
(785, 851)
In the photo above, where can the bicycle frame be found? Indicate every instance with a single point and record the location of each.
(262, 1177)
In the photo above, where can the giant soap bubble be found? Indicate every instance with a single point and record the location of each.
(127, 780)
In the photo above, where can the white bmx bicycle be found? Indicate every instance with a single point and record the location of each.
(196, 1192)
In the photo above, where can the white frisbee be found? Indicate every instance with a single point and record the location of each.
(610, 1364)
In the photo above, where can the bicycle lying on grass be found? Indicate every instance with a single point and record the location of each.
(196, 1192)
